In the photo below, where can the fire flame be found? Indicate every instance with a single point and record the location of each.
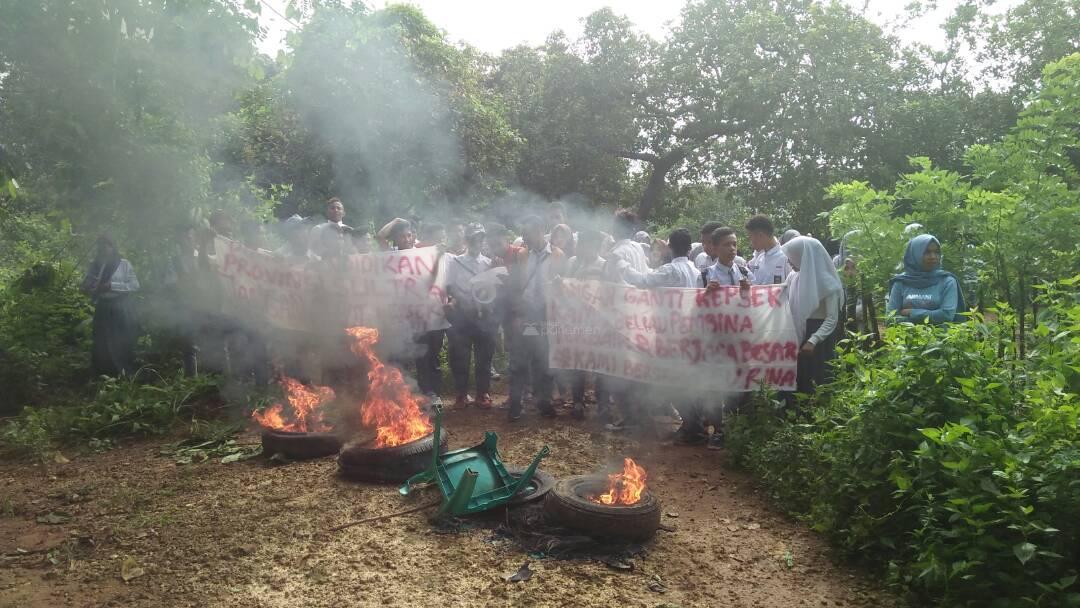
(624, 488)
(390, 406)
(306, 404)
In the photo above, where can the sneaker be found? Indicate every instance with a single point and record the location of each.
(578, 410)
(616, 426)
(484, 401)
(494, 374)
(716, 441)
(515, 413)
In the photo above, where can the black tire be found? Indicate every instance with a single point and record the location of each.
(567, 505)
(537, 488)
(299, 446)
(361, 462)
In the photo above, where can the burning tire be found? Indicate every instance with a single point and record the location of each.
(361, 462)
(537, 488)
(299, 446)
(569, 504)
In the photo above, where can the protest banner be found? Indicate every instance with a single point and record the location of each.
(726, 340)
(398, 292)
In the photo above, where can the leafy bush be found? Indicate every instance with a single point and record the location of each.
(44, 336)
(122, 407)
(954, 469)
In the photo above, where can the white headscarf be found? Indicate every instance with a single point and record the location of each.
(815, 279)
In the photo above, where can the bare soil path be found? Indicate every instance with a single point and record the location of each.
(249, 534)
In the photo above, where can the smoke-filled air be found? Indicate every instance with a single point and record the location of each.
(338, 303)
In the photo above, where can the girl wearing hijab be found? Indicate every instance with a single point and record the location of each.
(109, 281)
(814, 296)
(924, 291)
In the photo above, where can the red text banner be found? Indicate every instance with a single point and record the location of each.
(398, 292)
(727, 340)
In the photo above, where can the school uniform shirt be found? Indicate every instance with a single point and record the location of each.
(679, 272)
(696, 249)
(122, 282)
(330, 239)
(724, 275)
(629, 252)
(769, 267)
(460, 271)
(703, 261)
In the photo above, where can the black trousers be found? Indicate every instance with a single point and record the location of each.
(115, 333)
(529, 358)
(813, 369)
(428, 373)
(471, 344)
(579, 380)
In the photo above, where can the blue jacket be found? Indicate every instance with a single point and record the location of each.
(930, 294)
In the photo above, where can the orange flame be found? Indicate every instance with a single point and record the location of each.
(624, 488)
(390, 406)
(306, 404)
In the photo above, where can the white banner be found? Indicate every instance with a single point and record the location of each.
(725, 340)
(398, 292)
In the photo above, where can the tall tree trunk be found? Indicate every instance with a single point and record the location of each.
(653, 196)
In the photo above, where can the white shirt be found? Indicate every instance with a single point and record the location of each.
(703, 261)
(331, 238)
(123, 281)
(460, 270)
(679, 272)
(769, 267)
(630, 252)
(724, 275)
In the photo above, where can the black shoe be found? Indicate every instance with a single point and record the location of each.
(547, 411)
(514, 415)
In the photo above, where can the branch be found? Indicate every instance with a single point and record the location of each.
(642, 156)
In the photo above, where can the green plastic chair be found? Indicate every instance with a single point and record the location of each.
(471, 479)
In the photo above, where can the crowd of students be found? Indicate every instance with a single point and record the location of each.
(547, 250)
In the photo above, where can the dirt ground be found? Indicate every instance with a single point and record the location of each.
(251, 534)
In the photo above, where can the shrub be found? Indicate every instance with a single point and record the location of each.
(952, 468)
(122, 407)
(44, 336)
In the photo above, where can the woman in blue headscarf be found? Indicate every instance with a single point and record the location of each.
(925, 291)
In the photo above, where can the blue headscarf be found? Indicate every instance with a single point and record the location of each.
(916, 277)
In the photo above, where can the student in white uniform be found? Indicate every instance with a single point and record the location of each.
(814, 295)
(333, 238)
(729, 270)
(701, 253)
(627, 254)
(472, 324)
(769, 266)
(679, 272)
(625, 249)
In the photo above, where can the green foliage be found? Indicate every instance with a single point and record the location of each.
(1013, 220)
(952, 468)
(122, 407)
(44, 336)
